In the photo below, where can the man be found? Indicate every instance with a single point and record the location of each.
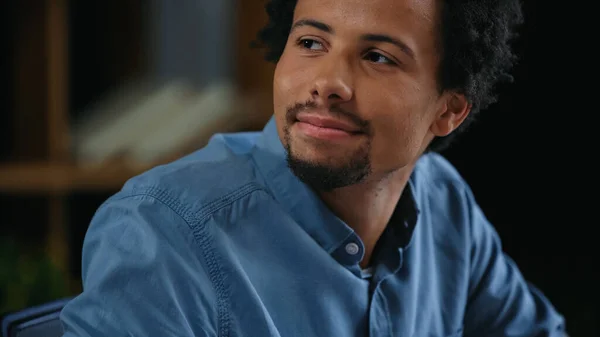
(339, 218)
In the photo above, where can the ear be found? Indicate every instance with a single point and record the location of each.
(455, 108)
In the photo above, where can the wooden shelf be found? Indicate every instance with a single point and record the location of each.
(64, 178)
(54, 49)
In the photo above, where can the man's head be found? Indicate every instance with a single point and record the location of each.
(363, 88)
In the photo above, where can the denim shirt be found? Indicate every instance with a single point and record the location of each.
(228, 242)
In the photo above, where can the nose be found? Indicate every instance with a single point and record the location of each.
(333, 82)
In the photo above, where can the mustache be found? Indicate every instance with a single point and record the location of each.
(293, 110)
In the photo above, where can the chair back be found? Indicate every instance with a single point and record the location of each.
(39, 321)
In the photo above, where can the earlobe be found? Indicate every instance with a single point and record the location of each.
(454, 110)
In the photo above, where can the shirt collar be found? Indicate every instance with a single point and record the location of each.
(304, 205)
(404, 220)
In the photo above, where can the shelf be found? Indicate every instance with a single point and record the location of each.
(64, 178)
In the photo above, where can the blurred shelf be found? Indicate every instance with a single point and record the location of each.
(59, 178)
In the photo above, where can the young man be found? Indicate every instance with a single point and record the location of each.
(339, 218)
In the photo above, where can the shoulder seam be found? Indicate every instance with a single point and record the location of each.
(226, 200)
(214, 266)
(196, 222)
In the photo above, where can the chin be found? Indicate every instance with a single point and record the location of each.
(314, 156)
(324, 172)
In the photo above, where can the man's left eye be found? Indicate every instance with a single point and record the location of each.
(378, 58)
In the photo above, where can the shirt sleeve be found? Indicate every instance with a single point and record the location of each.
(142, 275)
(501, 302)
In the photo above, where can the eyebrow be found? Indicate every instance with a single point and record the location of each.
(313, 23)
(388, 39)
(366, 37)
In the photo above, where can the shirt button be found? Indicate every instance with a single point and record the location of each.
(352, 248)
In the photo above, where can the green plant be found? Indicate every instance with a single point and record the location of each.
(27, 277)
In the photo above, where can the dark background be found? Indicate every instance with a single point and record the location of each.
(527, 162)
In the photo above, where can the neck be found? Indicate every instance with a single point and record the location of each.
(368, 206)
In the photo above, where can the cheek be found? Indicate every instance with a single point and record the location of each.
(399, 133)
(280, 87)
(291, 71)
(288, 81)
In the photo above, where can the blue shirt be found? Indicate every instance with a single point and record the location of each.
(228, 242)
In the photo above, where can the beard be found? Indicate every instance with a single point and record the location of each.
(328, 176)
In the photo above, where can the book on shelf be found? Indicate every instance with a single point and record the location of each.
(146, 123)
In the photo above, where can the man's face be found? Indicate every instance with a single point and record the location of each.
(355, 91)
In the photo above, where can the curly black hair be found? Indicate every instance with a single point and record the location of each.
(475, 46)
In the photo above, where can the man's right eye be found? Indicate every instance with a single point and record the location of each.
(311, 44)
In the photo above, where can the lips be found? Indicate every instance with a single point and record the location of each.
(328, 122)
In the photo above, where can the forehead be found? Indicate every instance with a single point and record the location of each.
(414, 20)
(372, 12)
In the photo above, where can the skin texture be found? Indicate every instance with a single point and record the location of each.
(334, 68)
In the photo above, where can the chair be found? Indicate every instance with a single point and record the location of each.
(38, 321)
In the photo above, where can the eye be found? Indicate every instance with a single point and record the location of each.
(378, 58)
(311, 44)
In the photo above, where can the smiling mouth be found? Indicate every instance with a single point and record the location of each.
(326, 122)
(329, 128)
(327, 133)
